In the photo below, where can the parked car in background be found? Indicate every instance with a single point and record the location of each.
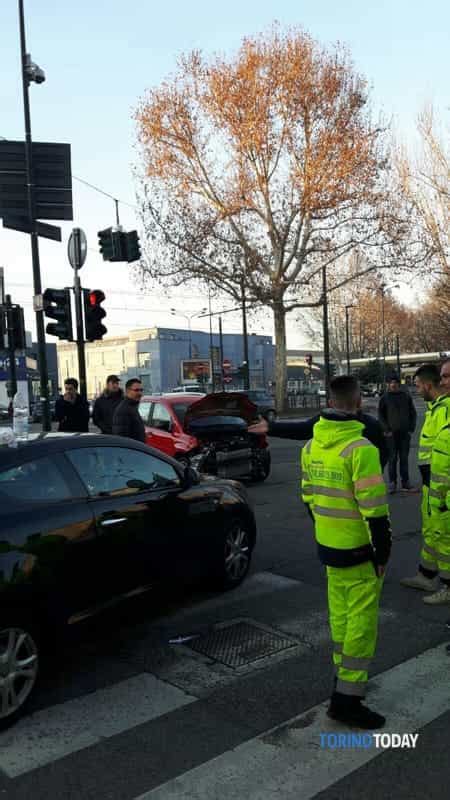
(264, 403)
(36, 411)
(194, 388)
(4, 413)
(87, 520)
(211, 432)
(369, 391)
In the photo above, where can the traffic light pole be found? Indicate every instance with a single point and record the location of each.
(40, 330)
(11, 347)
(79, 313)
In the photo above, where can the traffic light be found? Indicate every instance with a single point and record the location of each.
(93, 314)
(16, 327)
(110, 244)
(57, 306)
(131, 250)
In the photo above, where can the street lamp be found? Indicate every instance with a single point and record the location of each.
(347, 336)
(189, 317)
(382, 290)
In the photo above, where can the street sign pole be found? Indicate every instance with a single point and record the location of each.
(11, 348)
(77, 249)
(40, 330)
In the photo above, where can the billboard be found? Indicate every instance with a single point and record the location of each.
(195, 370)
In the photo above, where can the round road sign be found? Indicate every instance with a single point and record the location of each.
(77, 248)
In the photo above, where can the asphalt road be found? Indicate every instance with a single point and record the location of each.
(128, 710)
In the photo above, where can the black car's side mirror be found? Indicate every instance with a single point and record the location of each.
(190, 477)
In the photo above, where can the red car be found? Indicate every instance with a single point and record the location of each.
(209, 432)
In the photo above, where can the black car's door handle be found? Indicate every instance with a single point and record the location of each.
(112, 521)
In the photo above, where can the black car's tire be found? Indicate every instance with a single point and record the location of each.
(261, 471)
(20, 660)
(234, 558)
(184, 460)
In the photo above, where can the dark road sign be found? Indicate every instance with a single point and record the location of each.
(52, 177)
(23, 224)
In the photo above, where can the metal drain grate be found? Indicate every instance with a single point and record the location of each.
(240, 643)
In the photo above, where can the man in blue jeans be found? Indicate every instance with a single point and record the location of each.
(397, 415)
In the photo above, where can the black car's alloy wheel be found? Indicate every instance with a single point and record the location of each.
(237, 553)
(19, 669)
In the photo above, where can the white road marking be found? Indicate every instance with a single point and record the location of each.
(257, 584)
(66, 728)
(289, 762)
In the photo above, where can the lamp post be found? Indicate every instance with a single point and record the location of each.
(221, 354)
(382, 290)
(383, 338)
(245, 337)
(326, 333)
(210, 338)
(189, 317)
(347, 336)
(397, 348)
(32, 73)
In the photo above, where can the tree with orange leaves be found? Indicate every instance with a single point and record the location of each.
(261, 169)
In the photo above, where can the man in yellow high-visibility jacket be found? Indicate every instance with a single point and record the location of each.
(437, 416)
(344, 490)
(439, 495)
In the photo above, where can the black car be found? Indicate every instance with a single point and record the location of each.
(86, 519)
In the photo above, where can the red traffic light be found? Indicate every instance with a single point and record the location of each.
(96, 297)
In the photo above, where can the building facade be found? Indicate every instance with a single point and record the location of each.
(156, 356)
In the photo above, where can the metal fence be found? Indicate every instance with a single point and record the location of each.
(305, 400)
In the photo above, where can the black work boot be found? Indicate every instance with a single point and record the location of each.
(350, 710)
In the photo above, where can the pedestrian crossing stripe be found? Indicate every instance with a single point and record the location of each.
(68, 727)
(288, 761)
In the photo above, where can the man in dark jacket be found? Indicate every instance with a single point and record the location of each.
(397, 415)
(106, 404)
(126, 420)
(303, 429)
(71, 411)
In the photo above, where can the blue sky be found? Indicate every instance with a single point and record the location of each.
(99, 57)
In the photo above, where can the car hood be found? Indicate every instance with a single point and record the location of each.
(222, 404)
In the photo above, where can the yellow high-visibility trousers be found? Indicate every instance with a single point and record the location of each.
(353, 601)
(429, 551)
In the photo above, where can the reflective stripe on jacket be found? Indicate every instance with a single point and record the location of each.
(437, 417)
(439, 492)
(342, 483)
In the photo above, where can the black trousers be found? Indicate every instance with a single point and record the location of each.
(399, 444)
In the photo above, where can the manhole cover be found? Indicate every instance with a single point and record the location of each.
(240, 643)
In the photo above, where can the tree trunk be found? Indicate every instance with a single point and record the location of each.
(279, 316)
